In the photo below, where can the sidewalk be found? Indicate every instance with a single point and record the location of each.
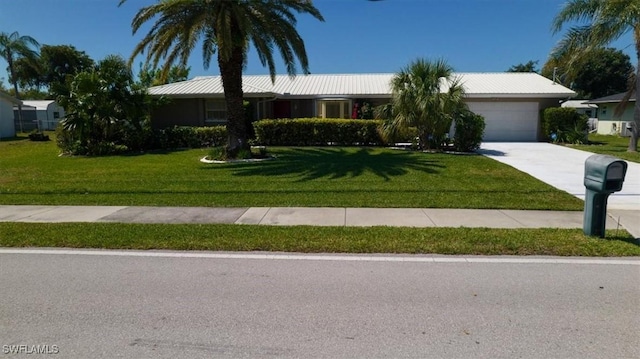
(294, 216)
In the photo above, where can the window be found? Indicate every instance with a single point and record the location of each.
(334, 109)
(56, 115)
(216, 112)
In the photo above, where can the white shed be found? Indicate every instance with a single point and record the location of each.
(47, 113)
(7, 127)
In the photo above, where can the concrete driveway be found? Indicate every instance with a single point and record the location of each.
(562, 168)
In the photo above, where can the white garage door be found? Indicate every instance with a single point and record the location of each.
(508, 121)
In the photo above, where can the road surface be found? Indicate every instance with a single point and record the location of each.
(175, 305)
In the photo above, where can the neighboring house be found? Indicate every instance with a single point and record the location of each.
(39, 114)
(510, 102)
(584, 107)
(608, 122)
(7, 127)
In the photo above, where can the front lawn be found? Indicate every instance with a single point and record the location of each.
(32, 173)
(609, 145)
(308, 239)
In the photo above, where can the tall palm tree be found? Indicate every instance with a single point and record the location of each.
(600, 23)
(12, 47)
(226, 28)
(425, 95)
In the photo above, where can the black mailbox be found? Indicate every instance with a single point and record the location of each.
(603, 175)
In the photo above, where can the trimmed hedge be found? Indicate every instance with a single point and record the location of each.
(145, 139)
(564, 124)
(317, 132)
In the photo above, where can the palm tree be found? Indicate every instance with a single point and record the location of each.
(225, 28)
(427, 96)
(606, 21)
(12, 47)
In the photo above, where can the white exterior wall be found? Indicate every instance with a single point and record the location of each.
(608, 124)
(47, 118)
(7, 127)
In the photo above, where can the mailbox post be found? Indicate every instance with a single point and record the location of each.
(603, 175)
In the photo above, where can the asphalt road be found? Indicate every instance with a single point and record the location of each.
(88, 306)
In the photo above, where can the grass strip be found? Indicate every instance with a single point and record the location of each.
(311, 239)
(609, 145)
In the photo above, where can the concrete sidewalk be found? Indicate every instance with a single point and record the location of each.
(328, 216)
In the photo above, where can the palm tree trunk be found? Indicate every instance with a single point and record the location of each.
(635, 125)
(15, 89)
(231, 73)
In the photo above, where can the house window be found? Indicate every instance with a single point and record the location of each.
(216, 112)
(56, 115)
(334, 109)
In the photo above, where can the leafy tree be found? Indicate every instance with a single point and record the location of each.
(104, 106)
(52, 68)
(12, 47)
(154, 77)
(600, 22)
(31, 93)
(226, 29)
(61, 62)
(528, 67)
(28, 72)
(601, 72)
(427, 96)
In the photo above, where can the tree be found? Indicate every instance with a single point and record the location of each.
(12, 47)
(59, 63)
(226, 28)
(52, 68)
(28, 72)
(104, 106)
(600, 22)
(601, 72)
(528, 67)
(154, 77)
(427, 96)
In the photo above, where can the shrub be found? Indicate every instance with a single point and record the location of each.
(469, 130)
(563, 124)
(317, 131)
(36, 135)
(211, 136)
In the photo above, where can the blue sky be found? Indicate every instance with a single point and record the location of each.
(357, 36)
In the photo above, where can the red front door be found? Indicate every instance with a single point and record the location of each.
(282, 109)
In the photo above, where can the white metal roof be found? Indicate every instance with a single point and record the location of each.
(38, 104)
(477, 85)
(578, 104)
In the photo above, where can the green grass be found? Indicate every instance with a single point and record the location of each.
(33, 173)
(609, 145)
(479, 241)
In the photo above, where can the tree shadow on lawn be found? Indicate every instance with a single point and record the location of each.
(14, 139)
(166, 151)
(635, 241)
(334, 163)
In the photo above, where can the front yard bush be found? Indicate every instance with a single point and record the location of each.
(317, 132)
(143, 139)
(564, 125)
(469, 131)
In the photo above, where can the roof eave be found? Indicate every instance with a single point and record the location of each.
(521, 95)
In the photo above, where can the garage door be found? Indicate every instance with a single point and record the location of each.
(508, 121)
